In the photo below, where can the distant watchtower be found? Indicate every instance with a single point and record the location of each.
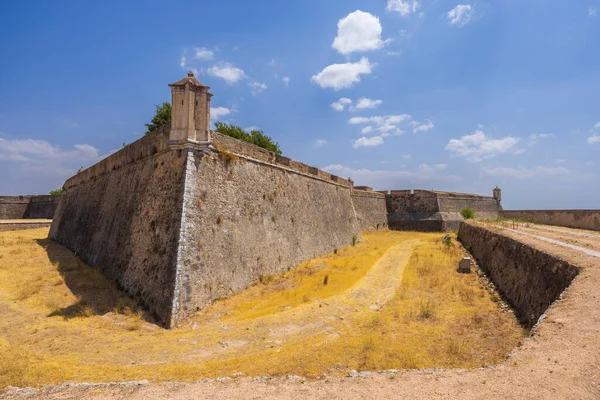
(498, 193)
(190, 119)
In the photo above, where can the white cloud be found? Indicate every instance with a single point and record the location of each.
(589, 163)
(534, 138)
(522, 173)
(341, 104)
(320, 143)
(37, 163)
(404, 7)
(594, 139)
(364, 103)
(182, 61)
(366, 129)
(423, 127)
(286, 81)
(271, 62)
(384, 124)
(257, 87)
(597, 126)
(460, 15)
(478, 147)
(434, 167)
(406, 156)
(219, 112)
(251, 128)
(358, 31)
(386, 179)
(368, 142)
(201, 53)
(340, 76)
(227, 71)
(30, 150)
(592, 12)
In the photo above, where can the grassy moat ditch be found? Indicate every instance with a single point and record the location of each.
(393, 301)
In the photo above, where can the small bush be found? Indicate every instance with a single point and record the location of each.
(354, 240)
(467, 213)
(447, 240)
(28, 290)
(326, 280)
(426, 309)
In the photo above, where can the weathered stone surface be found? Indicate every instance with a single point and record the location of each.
(432, 211)
(17, 226)
(243, 219)
(27, 207)
(581, 219)
(370, 209)
(530, 280)
(125, 222)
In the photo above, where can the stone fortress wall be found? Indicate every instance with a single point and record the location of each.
(28, 207)
(180, 228)
(122, 216)
(435, 211)
(184, 216)
(370, 208)
(580, 219)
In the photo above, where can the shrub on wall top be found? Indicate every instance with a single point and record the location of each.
(467, 213)
(256, 136)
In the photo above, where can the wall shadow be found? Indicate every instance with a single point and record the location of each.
(96, 294)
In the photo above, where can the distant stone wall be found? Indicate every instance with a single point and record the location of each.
(19, 226)
(433, 211)
(42, 206)
(370, 209)
(529, 279)
(13, 207)
(28, 207)
(581, 219)
(123, 217)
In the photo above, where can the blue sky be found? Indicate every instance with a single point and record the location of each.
(397, 94)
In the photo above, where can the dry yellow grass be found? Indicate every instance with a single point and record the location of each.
(392, 301)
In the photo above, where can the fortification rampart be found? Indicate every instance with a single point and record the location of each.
(529, 279)
(147, 146)
(580, 219)
(125, 222)
(428, 210)
(370, 209)
(179, 226)
(243, 220)
(184, 216)
(28, 207)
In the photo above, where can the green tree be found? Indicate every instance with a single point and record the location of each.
(255, 136)
(161, 117)
(57, 191)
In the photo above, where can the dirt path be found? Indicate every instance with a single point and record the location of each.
(560, 360)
